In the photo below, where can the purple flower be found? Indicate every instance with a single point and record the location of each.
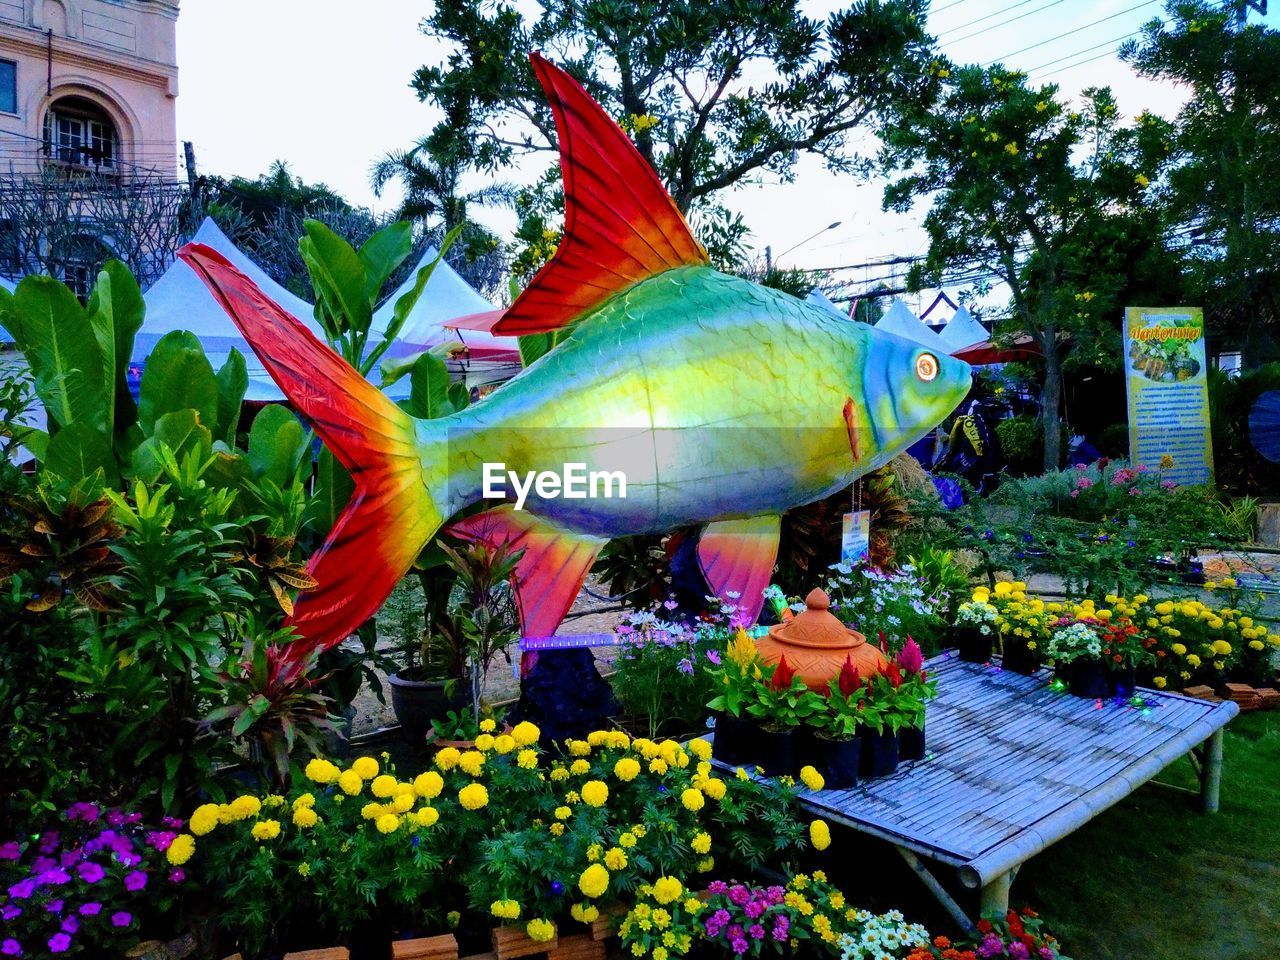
(49, 841)
(135, 881)
(43, 864)
(70, 925)
(54, 906)
(685, 666)
(1048, 953)
(781, 928)
(11, 948)
(129, 859)
(991, 946)
(756, 931)
(54, 878)
(90, 872)
(738, 894)
(23, 889)
(714, 656)
(717, 887)
(160, 839)
(10, 850)
(753, 909)
(121, 918)
(70, 857)
(1018, 950)
(88, 812)
(115, 818)
(173, 823)
(59, 942)
(177, 875)
(90, 909)
(10, 912)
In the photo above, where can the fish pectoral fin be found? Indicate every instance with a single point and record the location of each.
(620, 224)
(737, 556)
(548, 575)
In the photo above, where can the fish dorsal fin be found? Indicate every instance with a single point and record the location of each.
(620, 225)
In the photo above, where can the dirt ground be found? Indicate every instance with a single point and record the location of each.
(400, 621)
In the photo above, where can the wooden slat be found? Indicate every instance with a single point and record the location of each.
(327, 953)
(579, 947)
(442, 947)
(510, 942)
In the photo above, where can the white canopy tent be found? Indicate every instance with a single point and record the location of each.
(963, 332)
(446, 297)
(820, 299)
(900, 321)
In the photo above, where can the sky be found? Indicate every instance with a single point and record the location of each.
(324, 85)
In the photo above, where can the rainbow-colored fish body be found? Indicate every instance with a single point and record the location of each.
(719, 402)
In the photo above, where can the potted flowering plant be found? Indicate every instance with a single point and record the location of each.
(1076, 651)
(837, 727)
(975, 630)
(781, 703)
(1124, 649)
(887, 711)
(743, 921)
(738, 674)
(916, 688)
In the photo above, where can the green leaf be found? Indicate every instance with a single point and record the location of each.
(382, 253)
(277, 442)
(429, 388)
(232, 379)
(116, 310)
(180, 431)
(178, 377)
(338, 276)
(332, 491)
(459, 396)
(54, 334)
(78, 451)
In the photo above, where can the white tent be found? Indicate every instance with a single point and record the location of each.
(963, 331)
(900, 321)
(820, 299)
(446, 297)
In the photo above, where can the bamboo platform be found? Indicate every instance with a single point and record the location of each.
(1013, 766)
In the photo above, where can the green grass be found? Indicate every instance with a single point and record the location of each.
(1153, 878)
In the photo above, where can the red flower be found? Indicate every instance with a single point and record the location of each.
(850, 681)
(783, 674)
(984, 926)
(894, 674)
(911, 657)
(884, 644)
(1015, 924)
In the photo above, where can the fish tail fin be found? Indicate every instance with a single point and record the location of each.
(391, 514)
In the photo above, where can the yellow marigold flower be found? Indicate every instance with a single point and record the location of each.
(181, 849)
(304, 800)
(266, 830)
(595, 793)
(473, 796)
(559, 773)
(506, 909)
(626, 769)
(819, 835)
(563, 813)
(1160, 682)
(527, 759)
(540, 930)
(427, 816)
(447, 758)
(700, 749)
(305, 817)
(1193, 660)
(372, 811)
(617, 740)
(484, 742)
(273, 800)
(428, 785)
(1179, 649)
(321, 771)
(584, 912)
(1257, 645)
(701, 843)
(692, 799)
(204, 819)
(387, 823)
(667, 889)
(579, 748)
(579, 767)
(350, 782)
(383, 786)
(812, 778)
(615, 859)
(595, 852)
(594, 881)
(557, 829)
(245, 806)
(471, 763)
(488, 725)
(525, 733)
(505, 743)
(639, 830)
(627, 840)
(1164, 608)
(572, 798)
(402, 802)
(659, 766)
(1221, 647)
(715, 788)
(366, 768)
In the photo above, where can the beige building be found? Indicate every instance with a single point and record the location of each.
(88, 84)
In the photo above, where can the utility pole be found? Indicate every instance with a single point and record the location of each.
(189, 153)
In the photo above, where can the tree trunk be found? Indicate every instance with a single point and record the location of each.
(1051, 406)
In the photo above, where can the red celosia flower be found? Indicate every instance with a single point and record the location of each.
(884, 644)
(911, 657)
(894, 673)
(783, 674)
(850, 681)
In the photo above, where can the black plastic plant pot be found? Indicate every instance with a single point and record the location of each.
(735, 739)
(974, 645)
(1122, 679)
(911, 743)
(839, 766)
(1019, 659)
(810, 749)
(1088, 678)
(879, 754)
(776, 752)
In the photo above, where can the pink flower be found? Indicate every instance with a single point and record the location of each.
(911, 657)
(1135, 492)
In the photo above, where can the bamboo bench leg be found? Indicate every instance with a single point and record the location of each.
(1211, 773)
(995, 895)
(939, 892)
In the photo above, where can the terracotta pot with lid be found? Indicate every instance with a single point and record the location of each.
(816, 644)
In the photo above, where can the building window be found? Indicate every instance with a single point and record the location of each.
(82, 257)
(8, 86)
(79, 132)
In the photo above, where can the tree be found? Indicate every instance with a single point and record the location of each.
(1023, 187)
(1223, 188)
(714, 94)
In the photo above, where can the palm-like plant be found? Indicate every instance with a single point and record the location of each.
(432, 186)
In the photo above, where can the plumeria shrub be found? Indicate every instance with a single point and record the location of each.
(87, 887)
(513, 832)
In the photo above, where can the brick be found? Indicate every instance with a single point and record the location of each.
(509, 942)
(603, 926)
(1269, 698)
(443, 947)
(1202, 692)
(327, 953)
(579, 947)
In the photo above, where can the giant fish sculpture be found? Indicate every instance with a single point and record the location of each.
(720, 402)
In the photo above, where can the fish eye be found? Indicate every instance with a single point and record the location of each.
(926, 367)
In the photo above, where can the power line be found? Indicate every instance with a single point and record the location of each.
(1096, 46)
(1005, 23)
(1075, 30)
(1020, 3)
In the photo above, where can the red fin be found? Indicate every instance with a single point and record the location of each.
(483, 321)
(551, 571)
(738, 556)
(390, 515)
(620, 225)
